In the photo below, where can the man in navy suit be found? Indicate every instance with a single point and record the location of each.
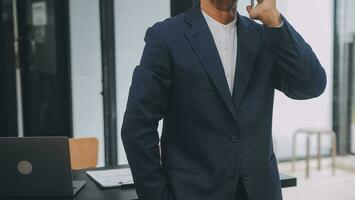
(210, 74)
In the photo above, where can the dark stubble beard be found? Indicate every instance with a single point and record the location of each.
(225, 5)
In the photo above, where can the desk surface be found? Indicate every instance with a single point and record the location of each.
(92, 192)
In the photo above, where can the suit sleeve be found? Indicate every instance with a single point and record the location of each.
(298, 72)
(147, 102)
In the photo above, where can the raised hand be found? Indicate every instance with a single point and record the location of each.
(267, 12)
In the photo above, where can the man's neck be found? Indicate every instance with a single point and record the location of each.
(222, 15)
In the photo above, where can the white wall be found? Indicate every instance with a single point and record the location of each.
(86, 71)
(313, 20)
(132, 18)
(316, 28)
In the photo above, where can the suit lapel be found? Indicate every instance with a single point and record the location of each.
(248, 44)
(201, 40)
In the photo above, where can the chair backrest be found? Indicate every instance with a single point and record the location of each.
(83, 153)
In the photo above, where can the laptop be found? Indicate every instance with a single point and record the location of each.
(36, 167)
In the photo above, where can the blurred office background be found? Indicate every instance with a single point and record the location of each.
(66, 68)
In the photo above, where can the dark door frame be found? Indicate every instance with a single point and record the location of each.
(335, 104)
(351, 94)
(62, 40)
(107, 20)
(342, 89)
(179, 6)
(8, 103)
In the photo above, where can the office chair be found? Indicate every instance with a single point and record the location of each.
(83, 153)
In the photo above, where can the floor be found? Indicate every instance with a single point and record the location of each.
(321, 185)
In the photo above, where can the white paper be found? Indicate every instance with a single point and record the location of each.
(112, 177)
(39, 14)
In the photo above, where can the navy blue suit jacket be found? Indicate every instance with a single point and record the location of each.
(211, 138)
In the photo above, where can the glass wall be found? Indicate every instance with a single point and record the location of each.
(87, 72)
(290, 115)
(348, 57)
(345, 94)
(132, 19)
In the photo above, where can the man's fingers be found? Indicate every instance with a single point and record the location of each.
(249, 9)
(253, 12)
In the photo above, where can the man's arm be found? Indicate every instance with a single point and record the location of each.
(298, 72)
(299, 75)
(146, 105)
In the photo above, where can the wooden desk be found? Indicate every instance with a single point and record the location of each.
(92, 192)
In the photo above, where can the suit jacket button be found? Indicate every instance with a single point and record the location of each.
(245, 177)
(233, 138)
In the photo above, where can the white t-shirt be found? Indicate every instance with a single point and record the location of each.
(225, 38)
